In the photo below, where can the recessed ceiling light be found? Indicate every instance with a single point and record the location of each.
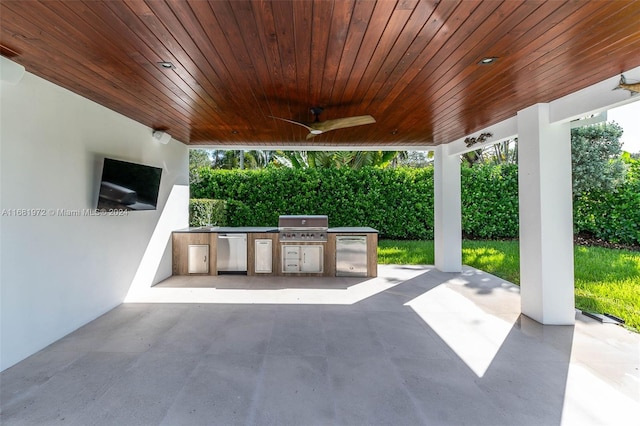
(166, 65)
(487, 60)
(394, 132)
(234, 132)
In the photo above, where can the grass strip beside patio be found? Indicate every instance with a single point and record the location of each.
(606, 280)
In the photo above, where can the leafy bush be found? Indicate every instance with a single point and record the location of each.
(610, 215)
(490, 201)
(203, 212)
(399, 202)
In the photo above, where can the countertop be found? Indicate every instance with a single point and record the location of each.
(263, 229)
(229, 229)
(353, 230)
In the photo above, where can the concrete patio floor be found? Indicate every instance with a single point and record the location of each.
(414, 346)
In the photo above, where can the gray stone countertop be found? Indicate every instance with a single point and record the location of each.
(229, 229)
(261, 229)
(353, 229)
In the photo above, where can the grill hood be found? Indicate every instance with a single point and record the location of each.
(303, 222)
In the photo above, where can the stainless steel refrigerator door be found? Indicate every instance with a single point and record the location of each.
(351, 256)
(232, 253)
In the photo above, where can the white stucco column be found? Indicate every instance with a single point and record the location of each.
(447, 211)
(546, 217)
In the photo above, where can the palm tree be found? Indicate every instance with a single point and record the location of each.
(337, 159)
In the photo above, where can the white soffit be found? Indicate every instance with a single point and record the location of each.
(594, 99)
(504, 130)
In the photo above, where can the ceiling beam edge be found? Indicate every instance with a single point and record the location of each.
(593, 99)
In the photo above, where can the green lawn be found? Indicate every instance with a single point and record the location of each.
(606, 280)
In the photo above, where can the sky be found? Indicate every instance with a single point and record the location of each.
(628, 116)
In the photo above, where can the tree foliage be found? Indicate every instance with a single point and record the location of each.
(335, 159)
(198, 158)
(505, 152)
(415, 159)
(206, 212)
(595, 158)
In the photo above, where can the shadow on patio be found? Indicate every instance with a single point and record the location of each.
(413, 346)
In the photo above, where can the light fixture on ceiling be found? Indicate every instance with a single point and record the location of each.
(394, 132)
(166, 65)
(162, 137)
(488, 60)
(234, 132)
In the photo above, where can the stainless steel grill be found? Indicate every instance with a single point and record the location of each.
(301, 228)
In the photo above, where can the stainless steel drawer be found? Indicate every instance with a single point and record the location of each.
(290, 252)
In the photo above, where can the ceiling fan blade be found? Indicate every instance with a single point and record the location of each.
(293, 122)
(342, 123)
(319, 127)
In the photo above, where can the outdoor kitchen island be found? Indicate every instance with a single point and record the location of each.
(310, 249)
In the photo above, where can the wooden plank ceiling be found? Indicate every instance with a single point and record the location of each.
(413, 65)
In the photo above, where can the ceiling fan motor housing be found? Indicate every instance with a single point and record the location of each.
(316, 111)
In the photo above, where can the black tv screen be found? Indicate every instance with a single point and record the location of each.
(128, 186)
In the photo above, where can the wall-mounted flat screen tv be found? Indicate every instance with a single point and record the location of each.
(128, 186)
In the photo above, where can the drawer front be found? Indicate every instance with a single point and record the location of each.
(291, 252)
(291, 265)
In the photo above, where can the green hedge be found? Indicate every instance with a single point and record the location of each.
(399, 202)
(489, 196)
(610, 215)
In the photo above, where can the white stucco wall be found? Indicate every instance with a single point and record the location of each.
(59, 272)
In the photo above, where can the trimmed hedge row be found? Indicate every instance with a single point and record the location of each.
(610, 215)
(399, 202)
(489, 196)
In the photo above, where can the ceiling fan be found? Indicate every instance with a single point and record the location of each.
(318, 127)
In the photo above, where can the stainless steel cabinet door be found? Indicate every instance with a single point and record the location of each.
(264, 256)
(351, 256)
(232, 253)
(198, 259)
(312, 259)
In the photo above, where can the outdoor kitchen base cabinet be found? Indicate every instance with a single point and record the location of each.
(301, 246)
(302, 258)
